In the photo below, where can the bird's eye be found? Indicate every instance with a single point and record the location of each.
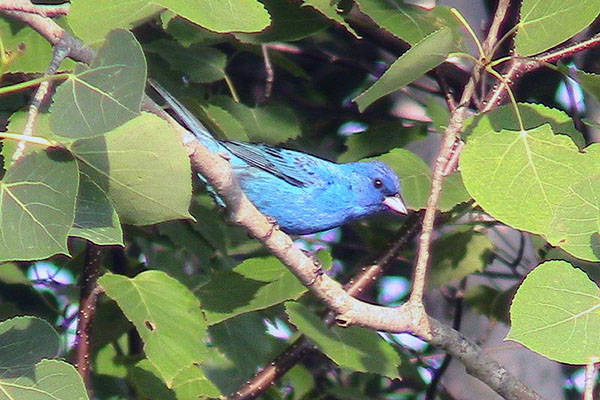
(377, 183)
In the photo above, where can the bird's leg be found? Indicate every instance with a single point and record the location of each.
(274, 225)
(318, 267)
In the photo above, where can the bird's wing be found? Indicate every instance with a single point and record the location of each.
(294, 167)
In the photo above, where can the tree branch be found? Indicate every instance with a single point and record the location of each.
(44, 10)
(407, 318)
(87, 311)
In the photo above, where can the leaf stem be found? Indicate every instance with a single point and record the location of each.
(464, 23)
(31, 83)
(510, 94)
(26, 138)
(232, 89)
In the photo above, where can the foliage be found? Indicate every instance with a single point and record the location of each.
(187, 296)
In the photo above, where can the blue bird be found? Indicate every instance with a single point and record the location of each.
(303, 193)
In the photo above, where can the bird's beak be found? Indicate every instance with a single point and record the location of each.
(395, 203)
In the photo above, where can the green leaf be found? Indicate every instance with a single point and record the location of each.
(354, 348)
(24, 341)
(589, 81)
(92, 20)
(200, 63)
(544, 24)
(410, 23)
(98, 99)
(415, 177)
(379, 139)
(491, 302)
(538, 182)
(141, 167)
(37, 206)
(458, 255)
(255, 284)
(33, 51)
(422, 57)
(245, 341)
(222, 121)
(221, 16)
(291, 21)
(145, 378)
(187, 33)
(556, 312)
(47, 380)
(533, 115)
(329, 9)
(95, 217)
(272, 123)
(16, 125)
(438, 113)
(166, 315)
(191, 384)
(11, 273)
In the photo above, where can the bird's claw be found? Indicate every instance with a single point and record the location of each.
(225, 156)
(274, 226)
(318, 267)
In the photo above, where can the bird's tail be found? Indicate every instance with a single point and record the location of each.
(190, 121)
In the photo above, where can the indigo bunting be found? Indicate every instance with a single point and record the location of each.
(303, 193)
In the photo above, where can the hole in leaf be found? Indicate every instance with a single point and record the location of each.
(149, 325)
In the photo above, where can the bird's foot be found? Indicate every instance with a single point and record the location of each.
(274, 225)
(224, 156)
(318, 267)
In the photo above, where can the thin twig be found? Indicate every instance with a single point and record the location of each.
(87, 311)
(590, 380)
(269, 73)
(520, 66)
(44, 10)
(492, 36)
(60, 52)
(419, 279)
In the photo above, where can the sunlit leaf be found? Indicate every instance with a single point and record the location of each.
(410, 23)
(166, 315)
(221, 16)
(141, 167)
(544, 24)
(92, 20)
(33, 52)
(97, 99)
(37, 206)
(47, 380)
(536, 181)
(556, 312)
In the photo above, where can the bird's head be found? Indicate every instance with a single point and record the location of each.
(377, 187)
